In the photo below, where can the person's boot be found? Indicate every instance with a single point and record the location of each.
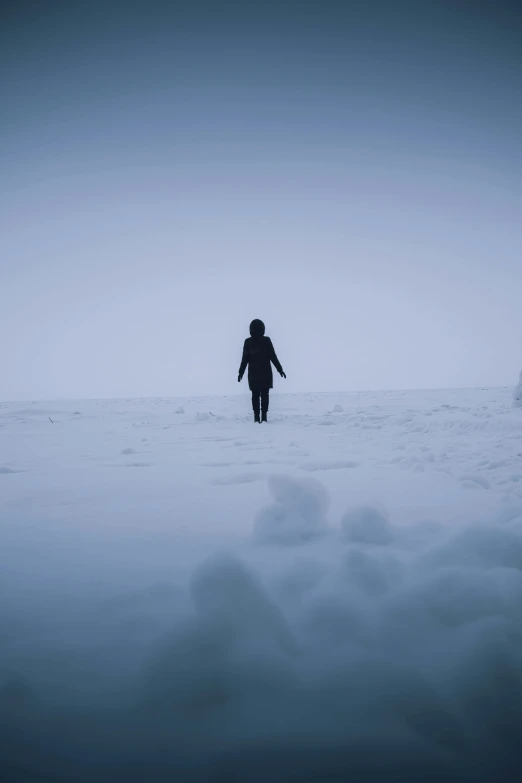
(256, 417)
(265, 418)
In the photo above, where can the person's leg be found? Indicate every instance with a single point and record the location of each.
(265, 395)
(256, 401)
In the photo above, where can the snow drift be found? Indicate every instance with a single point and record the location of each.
(381, 656)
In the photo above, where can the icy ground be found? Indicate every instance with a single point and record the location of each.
(335, 595)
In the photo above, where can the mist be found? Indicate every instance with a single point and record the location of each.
(350, 175)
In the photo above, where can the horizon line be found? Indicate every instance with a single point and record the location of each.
(241, 394)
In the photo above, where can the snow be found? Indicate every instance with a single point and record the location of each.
(367, 525)
(298, 513)
(196, 597)
(517, 393)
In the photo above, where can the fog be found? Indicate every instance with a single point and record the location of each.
(349, 175)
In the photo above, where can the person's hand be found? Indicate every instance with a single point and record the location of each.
(239, 378)
(283, 374)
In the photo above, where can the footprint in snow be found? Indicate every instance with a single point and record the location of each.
(215, 439)
(217, 464)
(294, 453)
(473, 482)
(245, 478)
(317, 466)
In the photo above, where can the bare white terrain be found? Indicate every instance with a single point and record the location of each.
(335, 593)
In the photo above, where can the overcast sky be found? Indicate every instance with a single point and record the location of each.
(351, 173)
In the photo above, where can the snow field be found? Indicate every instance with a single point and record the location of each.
(185, 593)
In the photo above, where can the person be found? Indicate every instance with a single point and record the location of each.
(258, 356)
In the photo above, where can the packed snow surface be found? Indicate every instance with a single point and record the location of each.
(335, 595)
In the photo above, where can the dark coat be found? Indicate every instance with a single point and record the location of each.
(258, 356)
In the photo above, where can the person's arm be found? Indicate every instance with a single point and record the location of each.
(275, 361)
(244, 362)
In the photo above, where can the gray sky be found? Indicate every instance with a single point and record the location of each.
(351, 173)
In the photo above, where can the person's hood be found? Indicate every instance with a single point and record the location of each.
(257, 328)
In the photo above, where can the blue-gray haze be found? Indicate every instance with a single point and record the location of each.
(349, 172)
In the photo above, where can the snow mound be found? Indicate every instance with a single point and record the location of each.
(207, 417)
(297, 514)
(226, 592)
(368, 525)
(479, 546)
(399, 659)
(180, 410)
(373, 575)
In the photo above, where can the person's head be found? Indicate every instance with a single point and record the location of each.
(257, 328)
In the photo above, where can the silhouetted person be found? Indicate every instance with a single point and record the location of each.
(258, 356)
